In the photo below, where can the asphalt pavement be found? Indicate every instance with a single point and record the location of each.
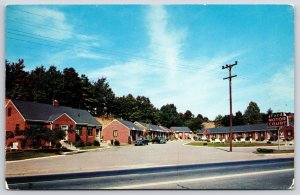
(173, 153)
(258, 174)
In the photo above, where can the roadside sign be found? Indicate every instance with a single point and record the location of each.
(278, 119)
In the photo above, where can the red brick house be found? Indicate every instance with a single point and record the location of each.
(21, 115)
(254, 131)
(181, 132)
(122, 131)
(154, 130)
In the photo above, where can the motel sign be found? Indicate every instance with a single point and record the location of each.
(278, 119)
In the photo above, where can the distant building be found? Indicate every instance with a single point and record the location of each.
(154, 130)
(254, 131)
(121, 130)
(181, 132)
(22, 115)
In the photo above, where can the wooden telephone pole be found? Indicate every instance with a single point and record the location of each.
(230, 99)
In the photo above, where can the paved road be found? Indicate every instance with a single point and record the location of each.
(259, 174)
(131, 157)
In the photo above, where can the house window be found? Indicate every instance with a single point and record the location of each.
(71, 127)
(90, 131)
(79, 130)
(9, 112)
(17, 127)
(115, 133)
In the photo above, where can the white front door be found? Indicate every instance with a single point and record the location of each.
(65, 128)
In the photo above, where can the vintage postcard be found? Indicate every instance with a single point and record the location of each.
(168, 97)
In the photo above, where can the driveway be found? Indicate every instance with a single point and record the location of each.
(129, 157)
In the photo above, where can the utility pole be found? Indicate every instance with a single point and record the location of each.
(230, 100)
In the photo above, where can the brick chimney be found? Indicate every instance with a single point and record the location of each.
(55, 103)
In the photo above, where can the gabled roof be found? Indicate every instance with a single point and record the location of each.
(237, 129)
(33, 111)
(130, 125)
(151, 127)
(180, 129)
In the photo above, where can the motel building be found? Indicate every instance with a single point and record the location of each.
(153, 131)
(181, 132)
(23, 115)
(257, 132)
(123, 131)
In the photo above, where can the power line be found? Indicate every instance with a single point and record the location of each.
(52, 28)
(21, 33)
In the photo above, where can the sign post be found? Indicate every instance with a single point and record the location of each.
(278, 120)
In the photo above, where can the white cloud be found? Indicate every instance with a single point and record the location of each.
(44, 21)
(200, 90)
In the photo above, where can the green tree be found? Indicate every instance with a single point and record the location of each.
(252, 114)
(88, 101)
(103, 97)
(39, 85)
(71, 95)
(238, 119)
(169, 116)
(17, 81)
(218, 121)
(55, 79)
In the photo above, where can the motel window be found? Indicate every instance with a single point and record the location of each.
(9, 112)
(115, 133)
(90, 131)
(17, 127)
(79, 130)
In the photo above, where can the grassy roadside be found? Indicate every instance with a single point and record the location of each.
(22, 155)
(91, 147)
(253, 144)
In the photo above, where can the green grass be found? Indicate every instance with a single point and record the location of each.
(90, 147)
(22, 155)
(199, 143)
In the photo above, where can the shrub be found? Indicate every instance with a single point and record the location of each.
(213, 138)
(264, 150)
(9, 134)
(204, 144)
(269, 142)
(96, 143)
(79, 144)
(129, 140)
(88, 143)
(58, 145)
(112, 142)
(262, 138)
(116, 143)
(247, 138)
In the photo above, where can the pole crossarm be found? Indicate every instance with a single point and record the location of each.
(229, 77)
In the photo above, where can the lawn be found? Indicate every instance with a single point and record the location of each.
(90, 147)
(22, 155)
(199, 143)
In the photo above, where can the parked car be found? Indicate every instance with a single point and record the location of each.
(141, 141)
(159, 140)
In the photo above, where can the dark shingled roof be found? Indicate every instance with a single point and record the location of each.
(180, 129)
(130, 125)
(238, 129)
(33, 111)
(152, 127)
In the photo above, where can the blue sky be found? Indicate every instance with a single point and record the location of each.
(169, 53)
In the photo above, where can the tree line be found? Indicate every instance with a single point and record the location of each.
(78, 91)
(252, 115)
